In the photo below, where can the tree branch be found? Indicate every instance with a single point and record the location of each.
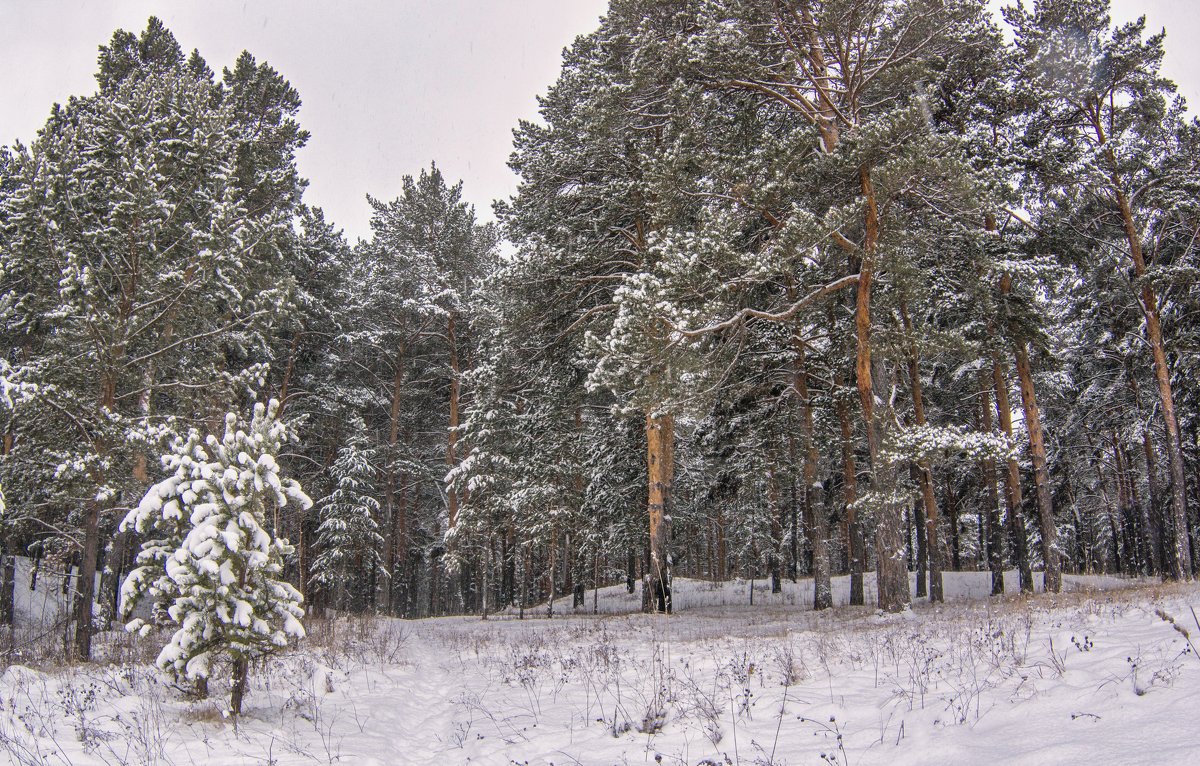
(781, 316)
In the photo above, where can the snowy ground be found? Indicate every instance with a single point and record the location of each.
(1093, 675)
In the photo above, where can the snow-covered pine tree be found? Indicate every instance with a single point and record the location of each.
(12, 393)
(148, 168)
(311, 372)
(492, 441)
(766, 243)
(348, 542)
(163, 518)
(407, 330)
(1104, 125)
(222, 579)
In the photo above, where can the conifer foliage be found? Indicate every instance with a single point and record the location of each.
(214, 561)
(348, 538)
(142, 271)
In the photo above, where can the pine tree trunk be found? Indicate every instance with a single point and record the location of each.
(285, 384)
(793, 515)
(89, 555)
(1041, 474)
(891, 564)
(981, 541)
(435, 582)
(1158, 545)
(384, 586)
(1084, 539)
(722, 546)
(579, 594)
(710, 551)
(552, 554)
(403, 559)
(952, 511)
(822, 580)
(397, 548)
(660, 448)
(630, 572)
(1085, 542)
(818, 518)
(110, 577)
(485, 589)
(526, 565)
(918, 517)
(1115, 536)
(8, 583)
(452, 431)
(924, 469)
(643, 577)
(84, 593)
(1125, 508)
(241, 670)
(595, 583)
(854, 543)
(1102, 483)
(995, 534)
(575, 584)
(1151, 531)
(568, 566)
(891, 568)
(1012, 481)
(507, 568)
(775, 508)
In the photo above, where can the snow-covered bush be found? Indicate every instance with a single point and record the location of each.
(210, 562)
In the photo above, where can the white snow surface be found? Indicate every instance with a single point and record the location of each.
(1096, 675)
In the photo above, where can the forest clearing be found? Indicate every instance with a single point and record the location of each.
(1093, 674)
(826, 388)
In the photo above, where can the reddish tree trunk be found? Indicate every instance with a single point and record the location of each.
(1041, 473)
(660, 449)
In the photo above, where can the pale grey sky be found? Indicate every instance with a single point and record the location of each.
(387, 86)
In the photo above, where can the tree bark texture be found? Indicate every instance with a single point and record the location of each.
(891, 568)
(660, 449)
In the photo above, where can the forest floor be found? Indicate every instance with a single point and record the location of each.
(1097, 675)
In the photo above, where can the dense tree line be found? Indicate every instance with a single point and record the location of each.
(789, 288)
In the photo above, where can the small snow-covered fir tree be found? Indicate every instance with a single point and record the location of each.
(221, 582)
(348, 537)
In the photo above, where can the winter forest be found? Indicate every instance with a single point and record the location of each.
(859, 309)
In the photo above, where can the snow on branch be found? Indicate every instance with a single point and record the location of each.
(210, 559)
(927, 442)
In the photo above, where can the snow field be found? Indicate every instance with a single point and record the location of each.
(1095, 675)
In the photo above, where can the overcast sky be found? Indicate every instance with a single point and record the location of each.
(388, 85)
